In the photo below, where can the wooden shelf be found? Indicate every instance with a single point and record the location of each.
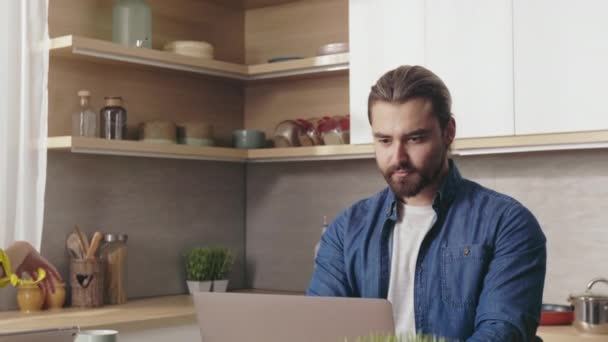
(328, 152)
(531, 143)
(142, 149)
(251, 4)
(469, 146)
(101, 50)
(306, 66)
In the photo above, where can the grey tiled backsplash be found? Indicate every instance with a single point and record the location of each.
(566, 191)
(271, 213)
(165, 205)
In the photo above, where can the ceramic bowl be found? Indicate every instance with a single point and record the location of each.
(248, 138)
(333, 48)
(190, 48)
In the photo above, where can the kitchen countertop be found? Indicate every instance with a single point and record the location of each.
(169, 308)
(163, 309)
(140, 310)
(567, 333)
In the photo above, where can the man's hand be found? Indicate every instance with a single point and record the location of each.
(32, 262)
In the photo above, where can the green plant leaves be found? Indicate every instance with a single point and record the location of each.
(208, 263)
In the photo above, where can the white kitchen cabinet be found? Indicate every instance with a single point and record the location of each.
(469, 44)
(383, 34)
(560, 55)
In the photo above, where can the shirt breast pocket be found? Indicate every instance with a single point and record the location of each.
(463, 270)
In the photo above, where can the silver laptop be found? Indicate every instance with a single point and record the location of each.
(230, 317)
(50, 335)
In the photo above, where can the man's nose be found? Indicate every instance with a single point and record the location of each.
(400, 153)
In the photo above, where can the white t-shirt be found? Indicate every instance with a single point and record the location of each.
(407, 238)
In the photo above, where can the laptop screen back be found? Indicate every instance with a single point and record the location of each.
(225, 317)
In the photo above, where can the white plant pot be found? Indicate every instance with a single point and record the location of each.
(199, 286)
(220, 285)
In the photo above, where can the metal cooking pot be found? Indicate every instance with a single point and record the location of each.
(591, 309)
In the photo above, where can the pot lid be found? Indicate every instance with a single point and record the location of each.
(593, 295)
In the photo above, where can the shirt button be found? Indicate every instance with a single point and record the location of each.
(467, 251)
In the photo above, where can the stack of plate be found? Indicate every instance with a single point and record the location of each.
(190, 48)
(195, 133)
(333, 48)
(160, 132)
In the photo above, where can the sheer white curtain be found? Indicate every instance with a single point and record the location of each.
(23, 118)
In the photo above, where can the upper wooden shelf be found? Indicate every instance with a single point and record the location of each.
(327, 152)
(144, 149)
(251, 4)
(101, 50)
(531, 143)
(306, 66)
(468, 146)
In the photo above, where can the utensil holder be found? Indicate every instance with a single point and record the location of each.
(87, 282)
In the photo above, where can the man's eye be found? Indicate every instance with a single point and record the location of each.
(384, 141)
(415, 140)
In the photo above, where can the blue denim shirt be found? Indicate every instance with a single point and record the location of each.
(480, 270)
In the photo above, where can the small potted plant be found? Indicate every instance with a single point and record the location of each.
(221, 261)
(198, 270)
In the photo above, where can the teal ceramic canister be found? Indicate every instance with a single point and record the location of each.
(132, 23)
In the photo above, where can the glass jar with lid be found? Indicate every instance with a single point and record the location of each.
(114, 251)
(132, 23)
(113, 119)
(84, 121)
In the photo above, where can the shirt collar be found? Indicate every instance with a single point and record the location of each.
(443, 198)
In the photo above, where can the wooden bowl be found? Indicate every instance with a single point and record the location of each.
(190, 48)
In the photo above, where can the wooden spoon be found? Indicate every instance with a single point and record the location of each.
(83, 237)
(95, 241)
(74, 246)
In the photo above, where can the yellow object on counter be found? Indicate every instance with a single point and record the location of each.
(13, 279)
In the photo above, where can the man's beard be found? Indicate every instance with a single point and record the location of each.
(417, 179)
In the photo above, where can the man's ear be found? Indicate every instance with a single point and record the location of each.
(449, 133)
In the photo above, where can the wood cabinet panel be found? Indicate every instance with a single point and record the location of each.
(221, 26)
(149, 95)
(269, 103)
(294, 29)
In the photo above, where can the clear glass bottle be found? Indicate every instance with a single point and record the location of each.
(113, 119)
(318, 245)
(84, 122)
(132, 23)
(114, 252)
